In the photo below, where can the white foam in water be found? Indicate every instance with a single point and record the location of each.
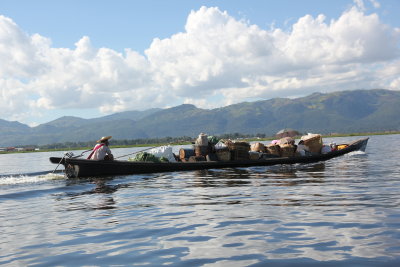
(24, 179)
(354, 153)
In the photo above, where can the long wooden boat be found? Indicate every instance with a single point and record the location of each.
(75, 167)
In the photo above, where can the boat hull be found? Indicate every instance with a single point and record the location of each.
(91, 168)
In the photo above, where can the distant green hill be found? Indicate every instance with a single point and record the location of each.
(338, 112)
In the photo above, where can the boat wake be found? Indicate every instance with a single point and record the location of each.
(356, 153)
(30, 178)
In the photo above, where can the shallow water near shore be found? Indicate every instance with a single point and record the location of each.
(343, 212)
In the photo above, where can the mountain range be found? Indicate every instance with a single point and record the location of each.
(338, 112)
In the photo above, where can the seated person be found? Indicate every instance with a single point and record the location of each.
(302, 149)
(101, 151)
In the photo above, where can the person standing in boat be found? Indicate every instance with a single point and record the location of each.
(101, 151)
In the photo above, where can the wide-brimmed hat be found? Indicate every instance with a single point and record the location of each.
(104, 138)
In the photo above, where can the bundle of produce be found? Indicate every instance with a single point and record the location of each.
(212, 140)
(274, 149)
(144, 156)
(258, 147)
(313, 142)
(163, 151)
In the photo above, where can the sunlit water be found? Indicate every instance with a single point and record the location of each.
(343, 212)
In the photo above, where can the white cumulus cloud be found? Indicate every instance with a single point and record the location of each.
(219, 55)
(216, 60)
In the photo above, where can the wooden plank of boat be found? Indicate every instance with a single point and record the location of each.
(75, 167)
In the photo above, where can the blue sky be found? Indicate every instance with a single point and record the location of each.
(92, 58)
(134, 24)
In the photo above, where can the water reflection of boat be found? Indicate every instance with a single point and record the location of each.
(91, 168)
(299, 174)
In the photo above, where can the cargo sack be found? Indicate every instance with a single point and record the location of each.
(202, 140)
(258, 147)
(220, 145)
(274, 149)
(163, 151)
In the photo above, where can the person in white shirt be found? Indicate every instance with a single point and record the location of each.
(101, 151)
(302, 149)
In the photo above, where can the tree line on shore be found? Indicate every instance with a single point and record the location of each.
(145, 141)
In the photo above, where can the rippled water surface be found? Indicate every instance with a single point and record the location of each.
(343, 212)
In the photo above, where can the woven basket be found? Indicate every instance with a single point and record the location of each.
(237, 145)
(223, 155)
(287, 150)
(201, 150)
(274, 149)
(239, 154)
(313, 143)
(238, 150)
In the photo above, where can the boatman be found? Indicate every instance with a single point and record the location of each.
(101, 151)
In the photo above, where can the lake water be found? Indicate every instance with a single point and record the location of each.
(343, 212)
